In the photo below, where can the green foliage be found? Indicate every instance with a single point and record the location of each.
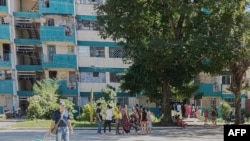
(225, 109)
(44, 102)
(85, 116)
(185, 91)
(169, 42)
(109, 94)
(34, 111)
(45, 96)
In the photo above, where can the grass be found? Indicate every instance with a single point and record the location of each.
(46, 124)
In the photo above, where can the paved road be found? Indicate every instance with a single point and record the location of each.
(171, 134)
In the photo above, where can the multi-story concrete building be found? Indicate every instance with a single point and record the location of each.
(60, 38)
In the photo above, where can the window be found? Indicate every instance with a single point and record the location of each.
(226, 79)
(45, 3)
(88, 25)
(114, 77)
(213, 101)
(116, 52)
(2, 2)
(50, 22)
(91, 77)
(123, 100)
(97, 52)
(71, 49)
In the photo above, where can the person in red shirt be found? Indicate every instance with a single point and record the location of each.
(205, 116)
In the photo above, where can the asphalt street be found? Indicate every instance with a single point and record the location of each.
(201, 133)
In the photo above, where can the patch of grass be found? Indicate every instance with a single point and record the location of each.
(33, 123)
(46, 124)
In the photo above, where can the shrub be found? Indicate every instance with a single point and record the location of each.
(225, 109)
(34, 111)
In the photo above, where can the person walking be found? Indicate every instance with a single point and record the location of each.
(99, 118)
(108, 119)
(144, 121)
(62, 117)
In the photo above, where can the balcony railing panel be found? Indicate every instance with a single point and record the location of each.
(4, 32)
(6, 86)
(60, 61)
(56, 7)
(57, 33)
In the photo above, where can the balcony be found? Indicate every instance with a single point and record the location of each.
(6, 86)
(25, 93)
(56, 7)
(60, 61)
(6, 61)
(5, 28)
(57, 34)
(29, 67)
(3, 8)
(68, 89)
(27, 41)
(26, 14)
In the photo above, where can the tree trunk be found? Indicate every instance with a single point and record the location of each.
(237, 109)
(238, 71)
(166, 110)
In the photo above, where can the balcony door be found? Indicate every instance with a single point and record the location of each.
(6, 51)
(51, 52)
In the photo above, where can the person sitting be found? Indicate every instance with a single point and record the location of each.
(180, 121)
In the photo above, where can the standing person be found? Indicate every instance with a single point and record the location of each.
(117, 114)
(125, 119)
(144, 121)
(213, 116)
(99, 118)
(149, 122)
(205, 114)
(108, 119)
(64, 127)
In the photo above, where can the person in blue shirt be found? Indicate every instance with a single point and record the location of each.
(64, 127)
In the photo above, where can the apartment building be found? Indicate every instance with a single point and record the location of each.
(60, 38)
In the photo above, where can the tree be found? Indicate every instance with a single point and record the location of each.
(169, 42)
(240, 64)
(45, 96)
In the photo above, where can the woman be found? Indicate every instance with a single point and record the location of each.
(135, 120)
(144, 121)
(149, 121)
(125, 119)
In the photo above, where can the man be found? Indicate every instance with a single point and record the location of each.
(99, 118)
(118, 116)
(64, 127)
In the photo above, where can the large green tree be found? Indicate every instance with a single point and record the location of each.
(239, 64)
(170, 41)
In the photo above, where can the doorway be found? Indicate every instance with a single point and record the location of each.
(6, 52)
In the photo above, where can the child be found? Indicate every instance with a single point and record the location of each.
(149, 122)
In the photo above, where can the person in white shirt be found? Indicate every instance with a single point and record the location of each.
(178, 107)
(108, 118)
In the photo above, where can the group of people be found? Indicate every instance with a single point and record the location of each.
(212, 114)
(138, 118)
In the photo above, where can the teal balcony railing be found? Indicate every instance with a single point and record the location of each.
(4, 32)
(57, 33)
(56, 7)
(26, 14)
(60, 61)
(29, 67)
(4, 9)
(66, 88)
(5, 61)
(27, 41)
(6, 86)
(25, 93)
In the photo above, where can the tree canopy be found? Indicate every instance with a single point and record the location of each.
(169, 42)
